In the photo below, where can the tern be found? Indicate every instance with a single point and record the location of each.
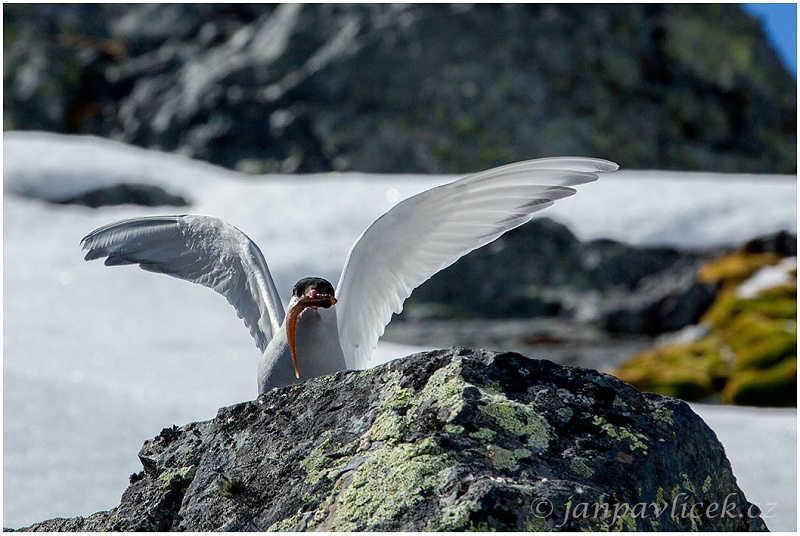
(325, 330)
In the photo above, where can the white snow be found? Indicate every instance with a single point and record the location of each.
(96, 359)
(767, 277)
(761, 445)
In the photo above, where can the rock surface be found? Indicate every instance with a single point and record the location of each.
(543, 270)
(418, 87)
(126, 194)
(448, 440)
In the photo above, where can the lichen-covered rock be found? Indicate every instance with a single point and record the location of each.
(454, 439)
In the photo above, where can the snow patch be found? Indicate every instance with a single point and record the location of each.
(768, 277)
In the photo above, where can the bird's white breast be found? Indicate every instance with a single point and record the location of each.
(318, 351)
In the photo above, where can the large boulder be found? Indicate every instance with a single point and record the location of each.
(543, 270)
(448, 440)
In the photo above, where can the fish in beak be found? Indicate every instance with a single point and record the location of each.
(313, 300)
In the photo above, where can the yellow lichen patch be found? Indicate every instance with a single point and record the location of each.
(776, 303)
(690, 372)
(748, 357)
(777, 384)
(395, 475)
(761, 342)
(734, 268)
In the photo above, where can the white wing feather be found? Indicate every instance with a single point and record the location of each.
(200, 249)
(430, 231)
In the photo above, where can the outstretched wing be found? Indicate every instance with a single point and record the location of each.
(430, 231)
(200, 249)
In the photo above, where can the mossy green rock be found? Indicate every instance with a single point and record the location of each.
(454, 439)
(749, 356)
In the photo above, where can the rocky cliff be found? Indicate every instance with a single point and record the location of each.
(449, 440)
(417, 87)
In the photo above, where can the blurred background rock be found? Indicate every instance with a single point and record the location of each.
(407, 88)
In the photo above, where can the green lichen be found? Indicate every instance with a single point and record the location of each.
(445, 387)
(707, 485)
(186, 473)
(579, 467)
(517, 418)
(686, 482)
(396, 396)
(454, 518)
(664, 415)
(536, 524)
(626, 521)
(318, 465)
(660, 497)
(493, 387)
(395, 475)
(483, 434)
(286, 525)
(454, 429)
(506, 459)
(316, 460)
(564, 414)
(391, 481)
(388, 427)
(399, 408)
(620, 433)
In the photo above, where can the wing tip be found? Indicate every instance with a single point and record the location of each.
(606, 165)
(587, 164)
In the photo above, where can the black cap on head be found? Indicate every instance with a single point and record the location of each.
(304, 286)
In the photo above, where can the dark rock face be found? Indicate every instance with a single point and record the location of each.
(391, 88)
(449, 440)
(542, 270)
(126, 194)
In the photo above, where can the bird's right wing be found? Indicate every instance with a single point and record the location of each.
(430, 231)
(200, 249)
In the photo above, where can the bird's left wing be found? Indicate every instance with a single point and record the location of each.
(200, 249)
(430, 231)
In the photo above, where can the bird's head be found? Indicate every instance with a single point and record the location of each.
(309, 292)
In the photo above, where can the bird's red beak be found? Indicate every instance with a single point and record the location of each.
(312, 299)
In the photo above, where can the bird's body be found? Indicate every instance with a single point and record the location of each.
(317, 335)
(326, 330)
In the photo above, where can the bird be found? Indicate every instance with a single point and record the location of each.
(325, 329)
